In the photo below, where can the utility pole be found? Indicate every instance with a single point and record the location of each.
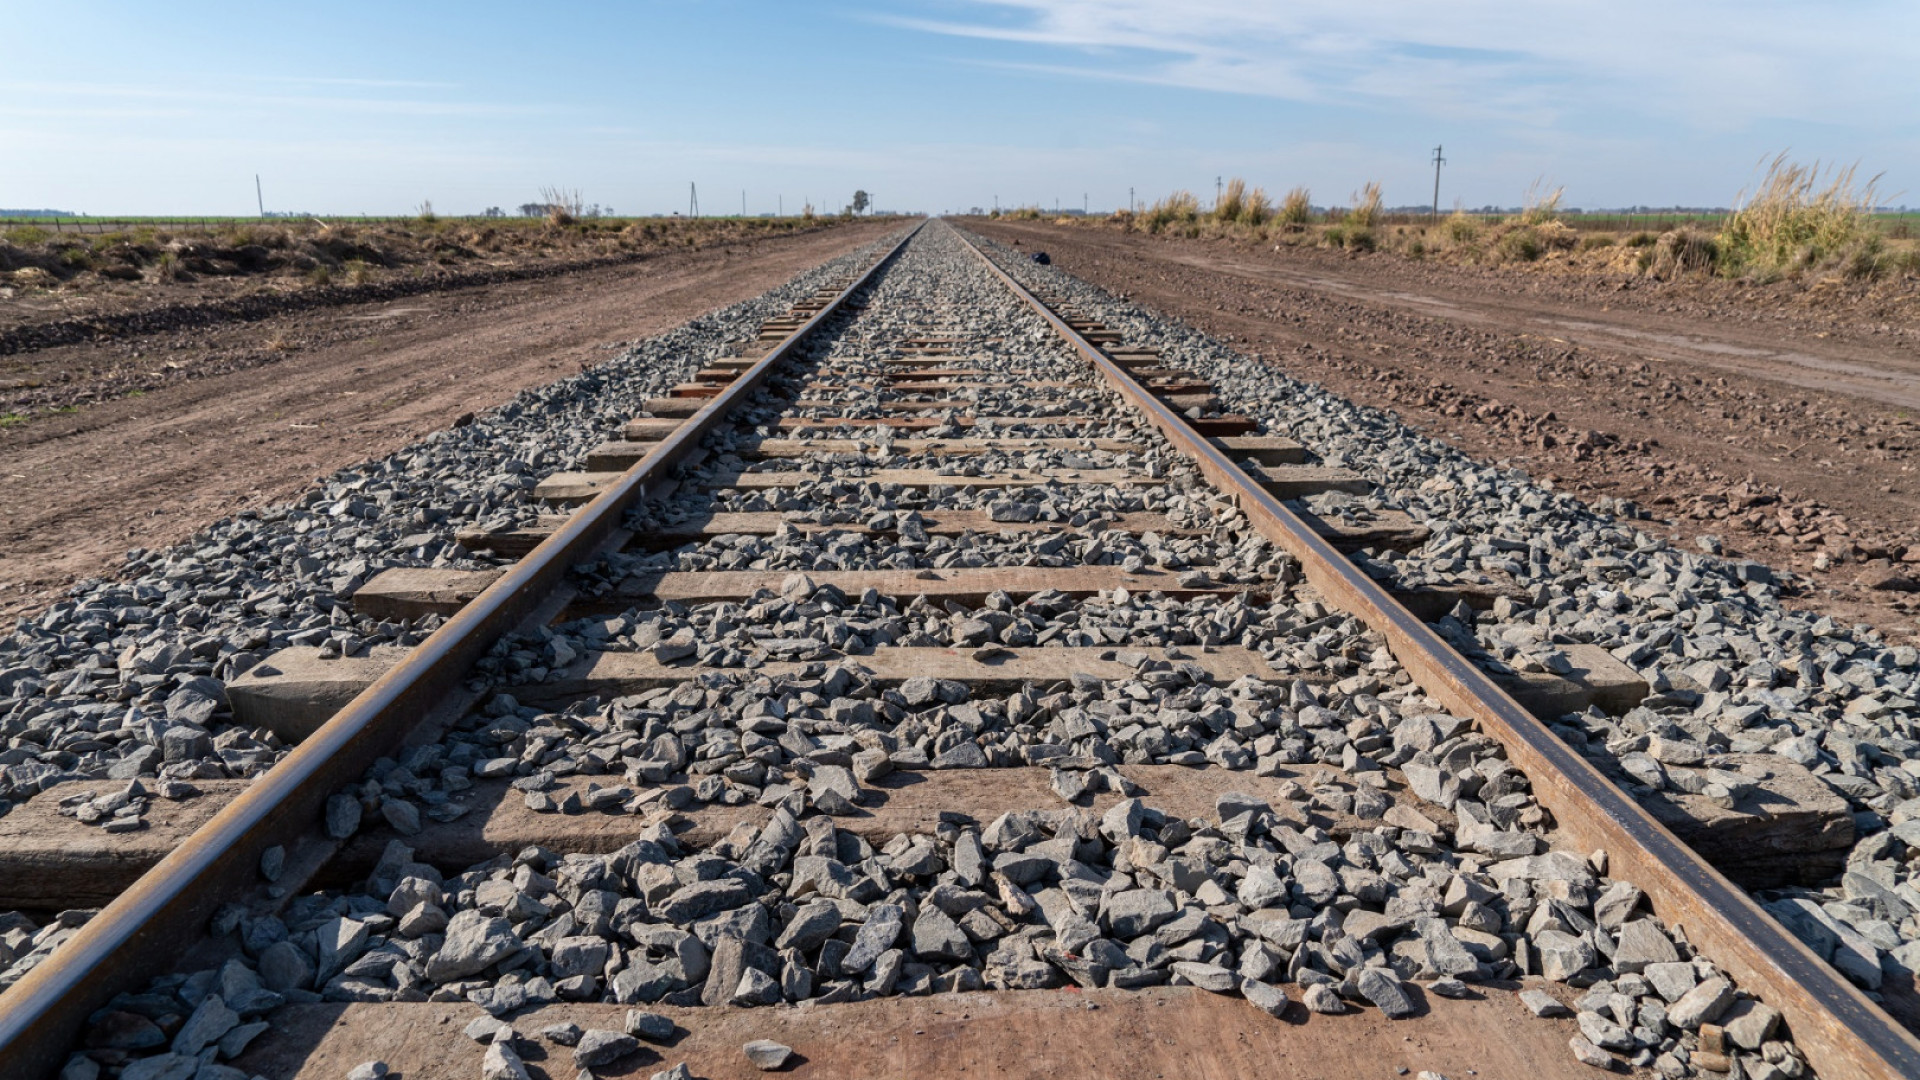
(1130, 203)
(1437, 162)
(261, 199)
(1083, 204)
(743, 202)
(693, 200)
(996, 204)
(780, 206)
(1216, 193)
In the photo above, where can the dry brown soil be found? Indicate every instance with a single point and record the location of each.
(1786, 430)
(252, 412)
(1057, 1034)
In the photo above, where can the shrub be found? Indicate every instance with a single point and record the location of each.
(1595, 243)
(1366, 206)
(1522, 244)
(1641, 240)
(1462, 228)
(1296, 209)
(1791, 223)
(1178, 208)
(426, 214)
(1681, 251)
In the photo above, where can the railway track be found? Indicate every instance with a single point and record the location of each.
(935, 650)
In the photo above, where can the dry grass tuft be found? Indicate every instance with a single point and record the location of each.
(1539, 209)
(1232, 200)
(1179, 208)
(1366, 207)
(1296, 209)
(1792, 223)
(564, 205)
(1461, 227)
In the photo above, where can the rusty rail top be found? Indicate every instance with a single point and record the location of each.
(146, 929)
(1845, 1035)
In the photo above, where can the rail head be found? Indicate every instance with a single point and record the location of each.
(1845, 1035)
(144, 929)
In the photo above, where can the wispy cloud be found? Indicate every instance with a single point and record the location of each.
(1711, 62)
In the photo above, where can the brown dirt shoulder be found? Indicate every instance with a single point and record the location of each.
(349, 384)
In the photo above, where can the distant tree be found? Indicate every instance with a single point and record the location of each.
(860, 202)
(533, 209)
(493, 211)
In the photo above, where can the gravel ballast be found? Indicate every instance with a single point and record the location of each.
(1336, 882)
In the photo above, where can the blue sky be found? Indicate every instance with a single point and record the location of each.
(350, 107)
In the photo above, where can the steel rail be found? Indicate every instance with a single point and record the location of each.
(1844, 1034)
(146, 929)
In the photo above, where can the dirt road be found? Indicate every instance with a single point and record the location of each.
(1787, 433)
(256, 411)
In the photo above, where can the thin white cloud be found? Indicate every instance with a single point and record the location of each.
(1711, 63)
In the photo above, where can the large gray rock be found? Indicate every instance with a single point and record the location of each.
(598, 1046)
(767, 1055)
(1701, 1005)
(209, 1021)
(936, 936)
(691, 903)
(1562, 955)
(1211, 977)
(1383, 988)
(733, 957)
(876, 935)
(1603, 1032)
(501, 1062)
(1266, 997)
(812, 924)
(1642, 943)
(474, 943)
(1320, 998)
(1135, 912)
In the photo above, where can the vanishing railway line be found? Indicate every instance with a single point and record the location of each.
(936, 642)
